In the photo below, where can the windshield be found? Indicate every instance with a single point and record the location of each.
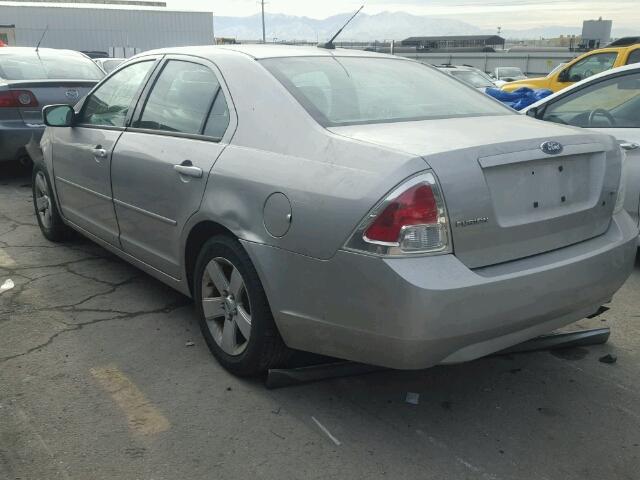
(31, 65)
(510, 72)
(472, 78)
(354, 90)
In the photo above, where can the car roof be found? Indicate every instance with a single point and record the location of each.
(32, 50)
(593, 78)
(262, 51)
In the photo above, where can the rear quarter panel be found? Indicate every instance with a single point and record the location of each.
(331, 181)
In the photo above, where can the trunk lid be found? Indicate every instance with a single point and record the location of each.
(505, 197)
(50, 92)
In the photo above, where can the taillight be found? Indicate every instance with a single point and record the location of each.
(17, 99)
(410, 220)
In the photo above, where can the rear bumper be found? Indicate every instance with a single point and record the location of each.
(411, 313)
(13, 138)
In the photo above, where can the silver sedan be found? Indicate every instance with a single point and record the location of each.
(346, 203)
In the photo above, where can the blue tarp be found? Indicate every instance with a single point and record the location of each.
(520, 98)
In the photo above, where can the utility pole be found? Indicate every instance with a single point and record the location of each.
(264, 36)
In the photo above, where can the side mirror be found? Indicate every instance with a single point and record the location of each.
(532, 112)
(58, 115)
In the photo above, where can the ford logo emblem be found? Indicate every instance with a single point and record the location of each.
(72, 94)
(551, 148)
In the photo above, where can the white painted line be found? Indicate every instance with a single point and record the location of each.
(327, 432)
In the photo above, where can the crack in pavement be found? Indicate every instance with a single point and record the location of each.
(79, 326)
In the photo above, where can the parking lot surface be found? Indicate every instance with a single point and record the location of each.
(104, 375)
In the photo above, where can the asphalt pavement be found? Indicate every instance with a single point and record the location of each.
(104, 375)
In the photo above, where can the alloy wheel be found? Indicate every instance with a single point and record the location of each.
(226, 306)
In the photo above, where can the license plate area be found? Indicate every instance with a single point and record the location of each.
(543, 189)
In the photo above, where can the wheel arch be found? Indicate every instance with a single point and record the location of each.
(198, 235)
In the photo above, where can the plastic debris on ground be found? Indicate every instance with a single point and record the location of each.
(7, 285)
(413, 398)
(326, 431)
(608, 358)
(520, 98)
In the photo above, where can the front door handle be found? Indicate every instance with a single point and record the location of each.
(186, 168)
(100, 152)
(629, 145)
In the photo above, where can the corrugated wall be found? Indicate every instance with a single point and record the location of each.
(102, 29)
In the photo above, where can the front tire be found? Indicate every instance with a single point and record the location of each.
(49, 219)
(233, 311)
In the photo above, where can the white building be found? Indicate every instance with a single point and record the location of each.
(596, 33)
(127, 27)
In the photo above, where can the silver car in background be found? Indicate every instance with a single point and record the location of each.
(109, 64)
(31, 79)
(346, 203)
(471, 76)
(609, 103)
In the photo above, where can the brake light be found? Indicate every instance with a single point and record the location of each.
(416, 206)
(412, 219)
(17, 99)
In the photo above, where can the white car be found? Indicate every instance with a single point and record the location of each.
(609, 103)
(508, 74)
(469, 75)
(109, 64)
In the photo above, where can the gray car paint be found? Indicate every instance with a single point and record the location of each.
(19, 126)
(400, 312)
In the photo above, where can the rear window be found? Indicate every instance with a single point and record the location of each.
(31, 65)
(472, 78)
(357, 90)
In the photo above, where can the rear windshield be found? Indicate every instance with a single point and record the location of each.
(358, 90)
(45, 65)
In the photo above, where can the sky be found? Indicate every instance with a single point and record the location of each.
(512, 14)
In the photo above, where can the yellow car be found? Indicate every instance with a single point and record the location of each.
(617, 54)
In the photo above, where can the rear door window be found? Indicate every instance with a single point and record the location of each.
(109, 104)
(181, 100)
(634, 57)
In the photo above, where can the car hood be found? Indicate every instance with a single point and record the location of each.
(430, 137)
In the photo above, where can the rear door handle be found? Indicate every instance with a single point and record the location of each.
(186, 168)
(629, 145)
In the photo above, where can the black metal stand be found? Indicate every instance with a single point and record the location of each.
(286, 377)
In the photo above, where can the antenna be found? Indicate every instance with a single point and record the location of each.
(42, 37)
(264, 37)
(329, 45)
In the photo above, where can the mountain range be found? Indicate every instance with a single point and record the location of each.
(381, 26)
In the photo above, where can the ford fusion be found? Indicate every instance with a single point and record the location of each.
(345, 203)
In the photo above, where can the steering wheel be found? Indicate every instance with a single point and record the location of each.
(587, 74)
(602, 113)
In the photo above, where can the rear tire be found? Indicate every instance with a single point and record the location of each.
(49, 219)
(233, 311)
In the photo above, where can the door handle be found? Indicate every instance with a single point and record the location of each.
(629, 146)
(186, 168)
(100, 152)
